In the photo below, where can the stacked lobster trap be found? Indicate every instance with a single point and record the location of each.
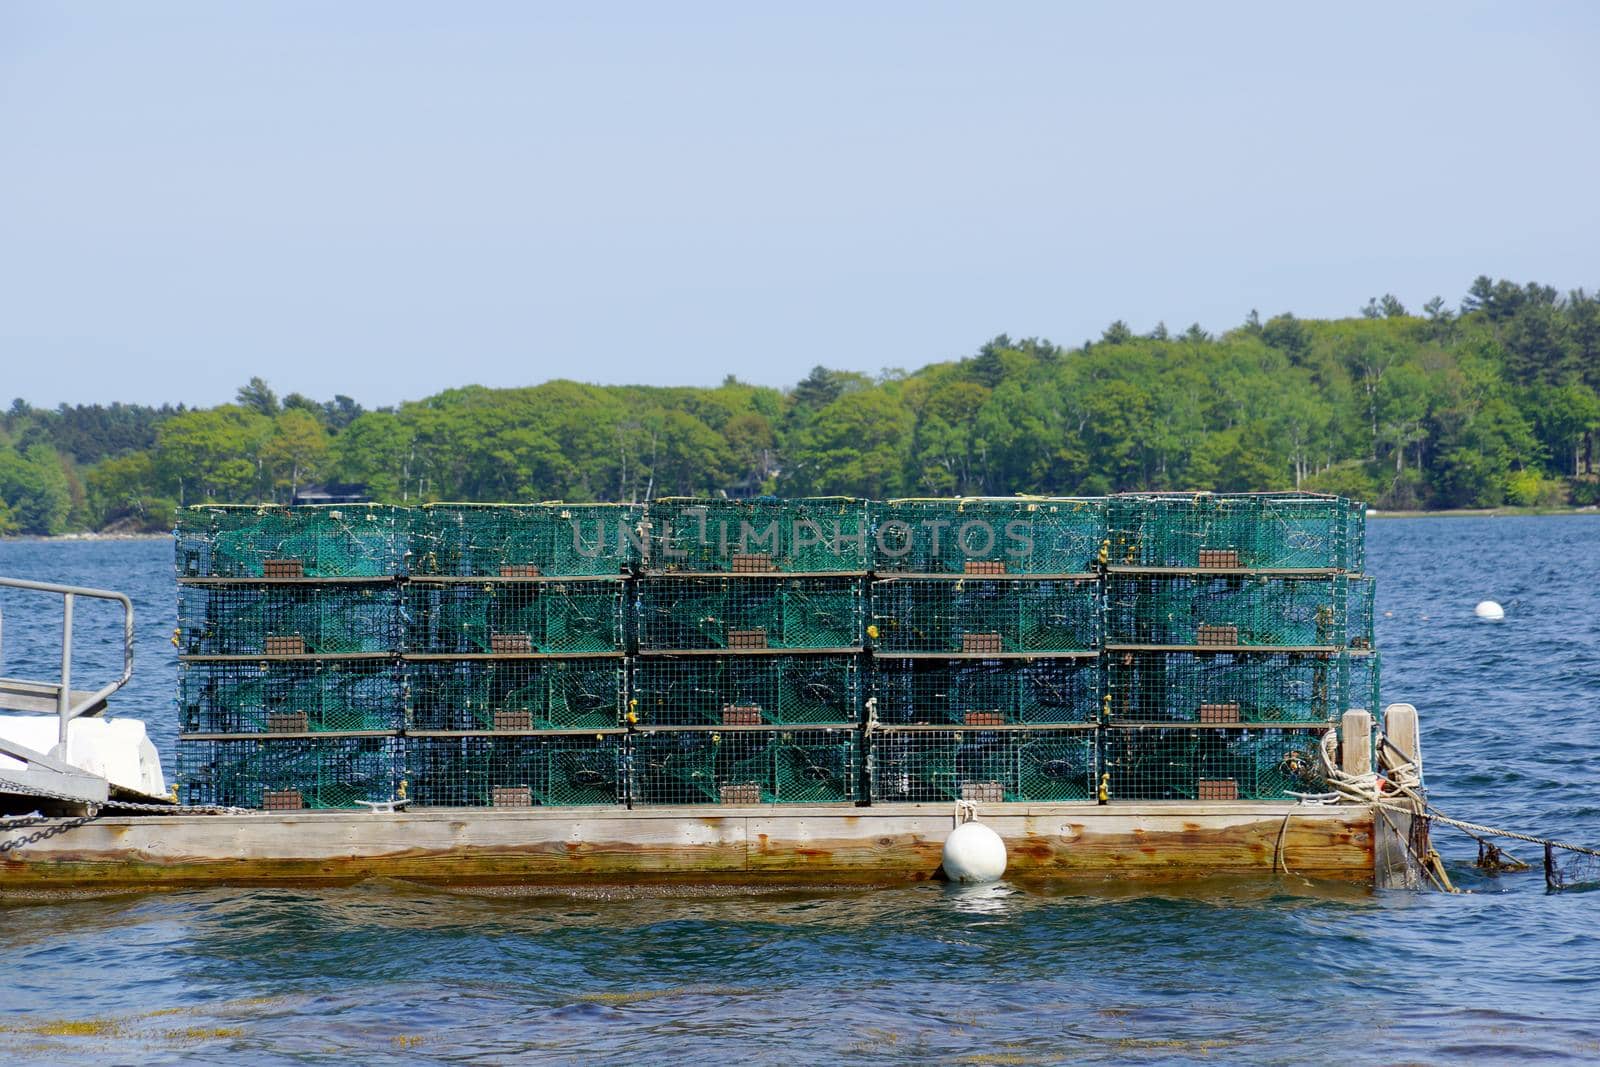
(985, 630)
(514, 653)
(1239, 630)
(288, 626)
(1133, 648)
(748, 684)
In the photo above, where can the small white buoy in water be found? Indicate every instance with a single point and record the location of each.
(974, 853)
(1488, 609)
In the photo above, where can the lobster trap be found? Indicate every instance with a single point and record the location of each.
(529, 771)
(526, 540)
(911, 764)
(312, 619)
(307, 541)
(514, 694)
(985, 616)
(749, 766)
(1280, 531)
(290, 774)
(983, 692)
(1213, 763)
(514, 617)
(748, 614)
(1220, 688)
(824, 689)
(981, 535)
(233, 697)
(763, 536)
(1227, 611)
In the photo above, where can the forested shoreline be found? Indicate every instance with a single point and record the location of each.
(1494, 401)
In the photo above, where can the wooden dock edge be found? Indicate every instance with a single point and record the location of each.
(883, 843)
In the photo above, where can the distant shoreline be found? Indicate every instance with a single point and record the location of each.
(1509, 511)
(86, 535)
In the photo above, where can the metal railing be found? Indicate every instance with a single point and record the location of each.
(70, 705)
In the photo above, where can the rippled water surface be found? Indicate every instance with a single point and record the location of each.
(1269, 971)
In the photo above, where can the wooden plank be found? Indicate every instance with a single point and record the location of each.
(611, 845)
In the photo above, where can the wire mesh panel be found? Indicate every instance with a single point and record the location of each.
(749, 614)
(1230, 687)
(747, 690)
(706, 766)
(524, 540)
(763, 536)
(1226, 611)
(546, 770)
(918, 765)
(308, 541)
(294, 697)
(512, 618)
(1362, 680)
(979, 692)
(1362, 606)
(987, 536)
(250, 620)
(515, 694)
(1266, 530)
(977, 615)
(1212, 763)
(288, 774)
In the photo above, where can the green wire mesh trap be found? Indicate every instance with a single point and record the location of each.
(295, 697)
(546, 770)
(321, 619)
(309, 541)
(512, 694)
(912, 764)
(976, 616)
(1231, 611)
(984, 535)
(283, 774)
(1267, 530)
(764, 536)
(819, 689)
(514, 617)
(749, 614)
(1238, 687)
(978, 692)
(1213, 763)
(523, 540)
(717, 766)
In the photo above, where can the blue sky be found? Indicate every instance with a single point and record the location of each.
(387, 199)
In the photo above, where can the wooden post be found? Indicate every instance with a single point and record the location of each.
(1400, 727)
(1356, 734)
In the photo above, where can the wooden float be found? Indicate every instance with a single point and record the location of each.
(883, 843)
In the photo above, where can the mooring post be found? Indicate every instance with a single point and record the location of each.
(1400, 728)
(1356, 737)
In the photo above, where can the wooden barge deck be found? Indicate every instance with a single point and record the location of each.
(757, 844)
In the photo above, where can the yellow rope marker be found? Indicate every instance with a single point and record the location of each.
(1106, 710)
(872, 630)
(1105, 787)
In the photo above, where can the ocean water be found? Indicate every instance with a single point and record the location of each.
(1274, 970)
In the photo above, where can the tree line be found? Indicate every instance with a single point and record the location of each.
(1494, 401)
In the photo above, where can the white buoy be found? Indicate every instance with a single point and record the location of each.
(1488, 609)
(973, 853)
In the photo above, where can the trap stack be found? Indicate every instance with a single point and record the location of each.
(1238, 630)
(288, 626)
(1141, 647)
(748, 684)
(514, 653)
(985, 631)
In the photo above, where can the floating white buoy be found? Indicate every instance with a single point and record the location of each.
(974, 853)
(1488, 609)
